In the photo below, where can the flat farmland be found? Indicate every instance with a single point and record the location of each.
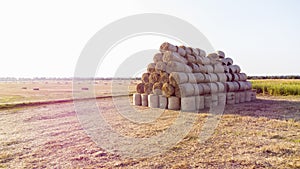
(259, 134)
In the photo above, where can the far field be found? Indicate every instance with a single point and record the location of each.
(259, 134)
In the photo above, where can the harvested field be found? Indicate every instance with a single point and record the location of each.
(259, 134)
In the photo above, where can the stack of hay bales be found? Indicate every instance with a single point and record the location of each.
(186, 78)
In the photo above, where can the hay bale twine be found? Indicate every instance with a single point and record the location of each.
(221, 77)
(140, 88)
(158, 57)
(151, 67)
(188, 103)
(148, 88)
(160, 67)
(218, 68)
(213, 77)
(199, 102)
(173, 56)
(157, 88)
(168, 90)
(167, 47)
(221, 54)
(184, 90)
(163, 102)
(196, 89)
(174, 103)
(164, 77)
(144, 99)
(145, 77)
(137, 99)
(153, 101)
(176, 78)
(154, 77)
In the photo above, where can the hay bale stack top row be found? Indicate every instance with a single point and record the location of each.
(186, 78)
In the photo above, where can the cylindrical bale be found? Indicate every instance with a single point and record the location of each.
(242, 76)
(248, 85)
(207, 101)
(248, 96)
(209, 68)
(213, 87)
(213, 77)
(195, 52)
(221, 54)
(242, 97)
(253, 95)
(153, 101)
(237, 97)
(137, 99)
(200, 89)
(196, 89)
(173, 56)
(202, 68)
(191, 78)
(206, 88)
(173, 66)
(164, 77)
(190, 58)
(224, 62)
(221, 87)
(184, 90)
(200, 78)
(236, 86)
(229, 77)
(230, 98)
(158, 57)
(157, 88)
(221, 98)
(235, 77)
(174, 103)
(199, 102)
(176, 78)
(168, 90)
(188, 103)
(188, 50)
(213, 56)
(229, 61)
(148, 88)
(181, 51)
(163, 102)
(230, 87)
(194, 67)
(167, 47)
(154, 77)
(207, 78)
(232, 69)
(203, 60)
(145, 77)
(237, 68)
(221, 77)
(140, 88)
(226, 69)
(144, 99)
(151, 67)
(202, 53)
(218, 68)
(160, 67)
(243, 86)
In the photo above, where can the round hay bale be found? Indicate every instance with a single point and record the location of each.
(153, 101)
(248, 96)
(188, 103)
(195, 52)
(221, 77)
(184, 90)
(213, 56)
(229, 77)
(206, 88)
(209, 68)
(248, 85)
(242, 76)
(213, 87)
(145, 77)
(137, 99)
(168, 90)
(144, 99)
(200, 89)
(167, 47)
(190, 58)
(176, 78)
(224, 62)
(230, 87)
(158, 57)
(160, 67)
(194, 67)
(202, 53)
(221, 87)
(154, 77)
(242, 86)
(151, 67)
(218, 68)
(140, 88)
(173, 66)
(202, 68)
(235, 77)
(163, 102)
(199, 102)
(221, 98)
(207, 78)
(237, 68)
(173, 56)
(181, 51)
(164, 77)
(226, 69)
(213, 77)
(148, 88)
(207, 101)
(203, 60)
(200, 78)
(188, 50)
(191, 78)
(174, 103)
(236, 86)
(157, 88)
(229, 61)
(221, 54)
(242, 96)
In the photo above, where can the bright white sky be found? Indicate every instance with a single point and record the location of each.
(45, 38)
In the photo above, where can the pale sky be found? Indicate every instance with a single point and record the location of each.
(45, 38)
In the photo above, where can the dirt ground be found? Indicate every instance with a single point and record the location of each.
(260, 134)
